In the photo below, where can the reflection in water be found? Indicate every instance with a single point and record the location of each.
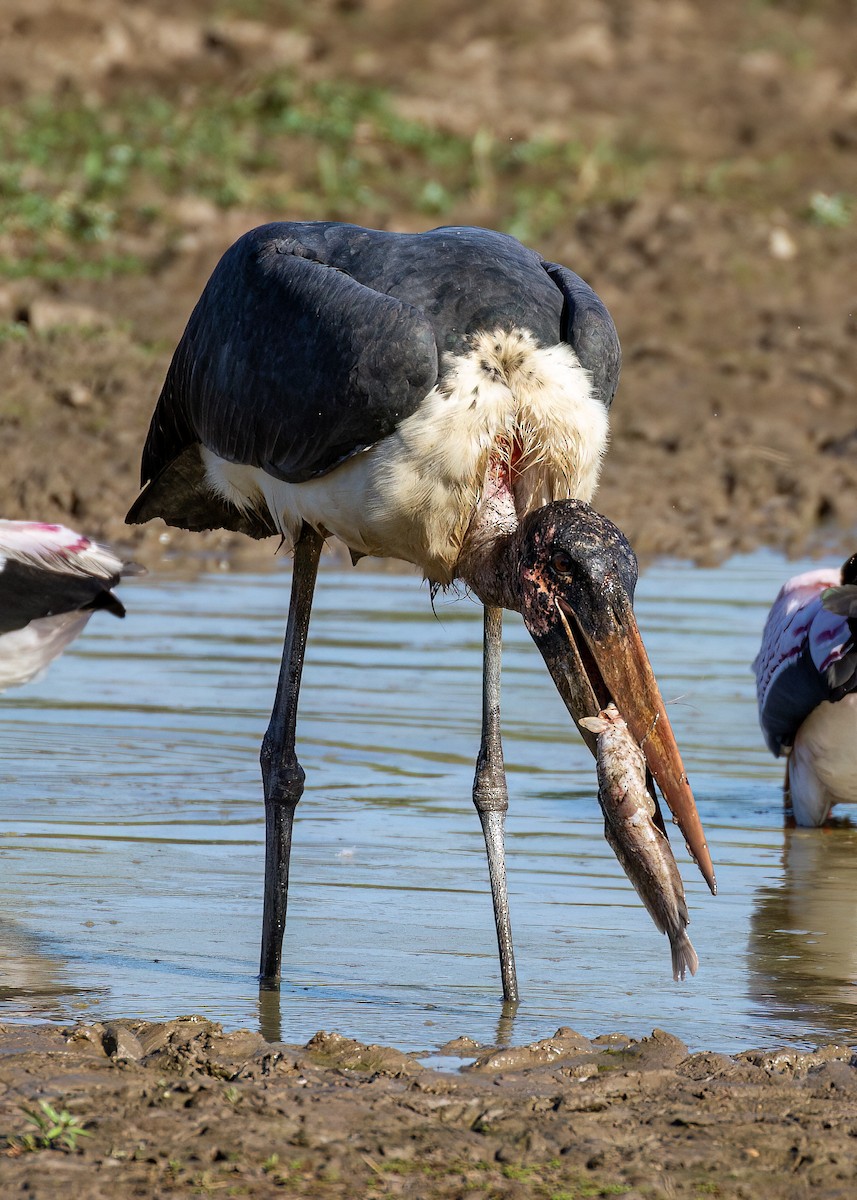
(270, 1014)
(506, 1022)
(803, 934)
(272, 1028)
(33, 981)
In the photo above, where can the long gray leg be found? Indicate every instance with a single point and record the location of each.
(282, 774)
(491, 796)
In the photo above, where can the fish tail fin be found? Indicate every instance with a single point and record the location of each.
(684, 956)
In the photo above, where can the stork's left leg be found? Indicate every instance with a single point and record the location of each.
(491, 796)
(282, 774)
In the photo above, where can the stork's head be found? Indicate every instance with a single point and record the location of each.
(577, 575)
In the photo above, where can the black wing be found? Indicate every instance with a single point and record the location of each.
(313, 340)
(289, 364)
(588, 328)
(797, 690)
(28, 592)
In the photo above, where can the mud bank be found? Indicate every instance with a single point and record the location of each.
(707, 194)
(182, 1108)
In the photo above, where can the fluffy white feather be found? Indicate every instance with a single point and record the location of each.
(413, 495)
(56, 548)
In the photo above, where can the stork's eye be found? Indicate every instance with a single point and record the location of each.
(561, 562)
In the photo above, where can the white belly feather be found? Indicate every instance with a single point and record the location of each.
(412, 495)
(823, 761)
(26, 653)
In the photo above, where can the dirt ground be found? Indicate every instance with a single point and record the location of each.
(730, 274)
(184, 1109)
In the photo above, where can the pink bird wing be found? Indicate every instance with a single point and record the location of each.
(799, 643)
(48, 570)
(38, 541)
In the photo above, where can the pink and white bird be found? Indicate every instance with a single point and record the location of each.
(51, 582)
(806, 684)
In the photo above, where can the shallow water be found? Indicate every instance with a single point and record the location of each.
(131, 827)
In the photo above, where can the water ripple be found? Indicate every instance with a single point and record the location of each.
(131, 832)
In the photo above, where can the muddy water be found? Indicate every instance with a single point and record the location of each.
(131, 832)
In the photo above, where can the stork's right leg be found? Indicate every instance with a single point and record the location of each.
(491, 796)
(282, 774)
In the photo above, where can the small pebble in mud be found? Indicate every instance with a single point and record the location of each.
(120, 1042)
(463, 1047)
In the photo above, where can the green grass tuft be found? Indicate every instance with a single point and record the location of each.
(81, 183)
(56, 1129)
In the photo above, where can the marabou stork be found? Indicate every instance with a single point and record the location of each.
(441, 398)
(806, 684)
(51, 582)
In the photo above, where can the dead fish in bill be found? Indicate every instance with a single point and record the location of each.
(642, 849)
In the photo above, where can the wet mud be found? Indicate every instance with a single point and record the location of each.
(183, 1108)
(728, 265)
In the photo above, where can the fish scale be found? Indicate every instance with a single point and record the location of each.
(643, 851)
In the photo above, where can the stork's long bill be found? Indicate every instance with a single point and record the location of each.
(576, 575)
(590, 669)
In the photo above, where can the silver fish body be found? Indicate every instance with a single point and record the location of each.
(641, 848)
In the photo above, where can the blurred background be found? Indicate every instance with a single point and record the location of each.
(696, 163)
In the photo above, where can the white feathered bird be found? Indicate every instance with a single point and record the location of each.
(806, 684)
(51, 582)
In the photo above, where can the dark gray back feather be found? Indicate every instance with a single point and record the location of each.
(313, 340)
(588, 328)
